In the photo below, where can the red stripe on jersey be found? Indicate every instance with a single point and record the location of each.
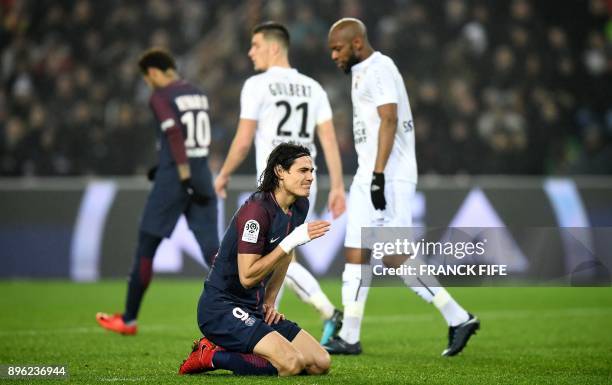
(176, 140)
(163, 111)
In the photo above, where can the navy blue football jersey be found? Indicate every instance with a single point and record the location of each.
(256, 228)
(181, 105)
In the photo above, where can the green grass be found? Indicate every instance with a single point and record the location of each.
(528, 335)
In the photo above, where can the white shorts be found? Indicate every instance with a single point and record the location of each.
(361, 212)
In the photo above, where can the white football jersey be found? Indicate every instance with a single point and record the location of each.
(377, 81)
(287, 106)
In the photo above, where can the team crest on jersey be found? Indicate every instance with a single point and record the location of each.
(250, 233)
(250, 321)
(356, 81)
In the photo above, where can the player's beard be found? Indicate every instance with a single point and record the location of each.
(352, 60)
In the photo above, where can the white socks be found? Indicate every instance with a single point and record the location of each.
(307, 288)
(452, 312)
(355, 290)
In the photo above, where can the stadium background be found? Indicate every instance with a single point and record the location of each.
(515, 88)
(504, 87)
(513, 120)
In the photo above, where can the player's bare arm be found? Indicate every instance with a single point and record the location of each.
(272, 289)
(336, 199)
(276, 280)
(241, 145)
(253, 268)
(386, 135)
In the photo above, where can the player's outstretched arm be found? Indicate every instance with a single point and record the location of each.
(304, 233)
(241, 145)
(336, 201)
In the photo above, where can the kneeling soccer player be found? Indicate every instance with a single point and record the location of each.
(243, 331)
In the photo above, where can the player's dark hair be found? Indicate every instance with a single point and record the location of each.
(283, 155)
(274, 30)
(156, 58)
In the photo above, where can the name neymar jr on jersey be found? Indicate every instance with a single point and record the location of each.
(192, 102)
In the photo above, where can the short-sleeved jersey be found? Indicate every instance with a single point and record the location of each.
(377, 81)
(287, 106)
(256, 228)
(183, 105)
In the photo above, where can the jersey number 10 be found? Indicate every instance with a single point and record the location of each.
(198, 129)
(304, 107)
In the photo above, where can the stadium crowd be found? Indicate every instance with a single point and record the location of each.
(504, 87)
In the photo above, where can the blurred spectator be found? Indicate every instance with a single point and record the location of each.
(511, 86)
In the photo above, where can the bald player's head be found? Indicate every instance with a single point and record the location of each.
(348, 41)
(349, 27)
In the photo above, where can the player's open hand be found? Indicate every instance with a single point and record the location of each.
(304, 233)
(221, 182)
(336, 202)
(271, 315)
(317, 229)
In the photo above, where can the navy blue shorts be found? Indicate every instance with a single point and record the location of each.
(237, 329)
(168, 200)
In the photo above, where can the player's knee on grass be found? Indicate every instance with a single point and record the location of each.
(293, 364)
(320, 364)
(316, 359)
(287, 360)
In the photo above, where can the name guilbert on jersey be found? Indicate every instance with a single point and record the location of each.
(290, 89)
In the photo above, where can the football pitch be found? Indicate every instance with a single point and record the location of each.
(528, 336)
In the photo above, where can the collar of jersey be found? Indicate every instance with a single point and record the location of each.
(176, 82)
(281, 69)
(278, 206)
(366, 62)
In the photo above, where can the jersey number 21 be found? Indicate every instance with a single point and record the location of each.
(303, 107)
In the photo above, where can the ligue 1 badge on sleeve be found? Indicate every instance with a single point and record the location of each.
(250, 232)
